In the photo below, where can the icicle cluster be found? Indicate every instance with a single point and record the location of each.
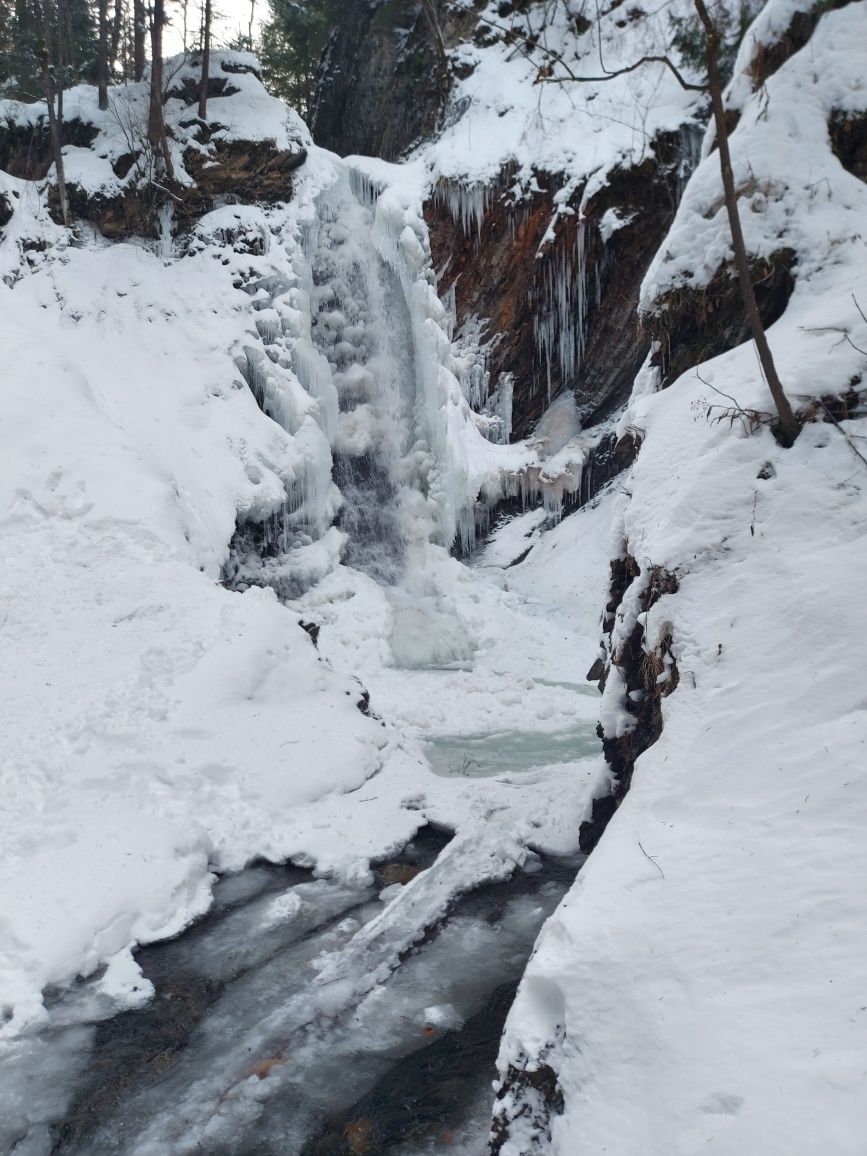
(560, 315)
(467, 203)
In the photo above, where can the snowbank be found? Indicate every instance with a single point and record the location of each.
(699, 989)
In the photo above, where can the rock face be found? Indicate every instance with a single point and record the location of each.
(562, 314)
(25, 150)
(381, 89)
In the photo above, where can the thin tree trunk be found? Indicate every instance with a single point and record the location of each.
(139, 36)
(156, 120)
(185, 9)
(48, 84)
(60, 72)
(430, 11)
(116, 27)
(789, 428)
(206, 62)
(250, 25)
(102, 59)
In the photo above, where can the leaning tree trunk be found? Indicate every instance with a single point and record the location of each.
(789, 427)
(60, 71)
(430, 11)
(206, 62)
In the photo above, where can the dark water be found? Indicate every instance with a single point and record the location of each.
(241, 1053)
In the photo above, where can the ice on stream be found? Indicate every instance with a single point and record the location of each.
(477, 756)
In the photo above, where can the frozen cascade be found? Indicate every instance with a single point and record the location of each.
(399, 439)
(361, 331)
(560, 316)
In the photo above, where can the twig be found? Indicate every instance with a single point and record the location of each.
(849, 441)
(652, 860)
(835, 329)
(163, 189)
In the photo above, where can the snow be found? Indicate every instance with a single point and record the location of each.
(245, 113)
(141, 694)
(501, 115)
(699, 988)
(167, 719)
(794, 192)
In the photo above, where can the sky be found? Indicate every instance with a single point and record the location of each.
(230, 16)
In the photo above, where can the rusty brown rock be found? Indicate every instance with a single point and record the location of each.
(500, 270)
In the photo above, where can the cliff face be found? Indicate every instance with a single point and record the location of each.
(559, 310)
(380, 90)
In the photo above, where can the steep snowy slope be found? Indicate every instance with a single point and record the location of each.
(701, 989)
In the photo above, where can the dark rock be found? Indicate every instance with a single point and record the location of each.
(496, 271)
(129, 214)
(311, 628)
(252, 170)
(533, 1095)
(649, 676)
(249, 170)
(694, 325)
(25, 150)
(381, 87)
(848, 133)
(188, 89)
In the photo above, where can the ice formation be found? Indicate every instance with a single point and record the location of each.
(560, 314)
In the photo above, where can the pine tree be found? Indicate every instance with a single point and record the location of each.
(290, 47)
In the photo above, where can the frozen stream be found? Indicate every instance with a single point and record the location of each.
(244, 1049)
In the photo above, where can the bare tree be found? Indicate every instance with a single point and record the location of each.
(206, 60)
(250, 25)
(789, 428)
(156, 120)
(116, 30)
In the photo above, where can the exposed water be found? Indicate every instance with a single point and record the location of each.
(244, 1049)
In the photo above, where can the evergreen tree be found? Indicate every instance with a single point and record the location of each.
(72, 46)
(290, 47)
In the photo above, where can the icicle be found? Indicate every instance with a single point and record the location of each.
(467, 204)
(165, 229)
(691, 136)
(560, 316)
